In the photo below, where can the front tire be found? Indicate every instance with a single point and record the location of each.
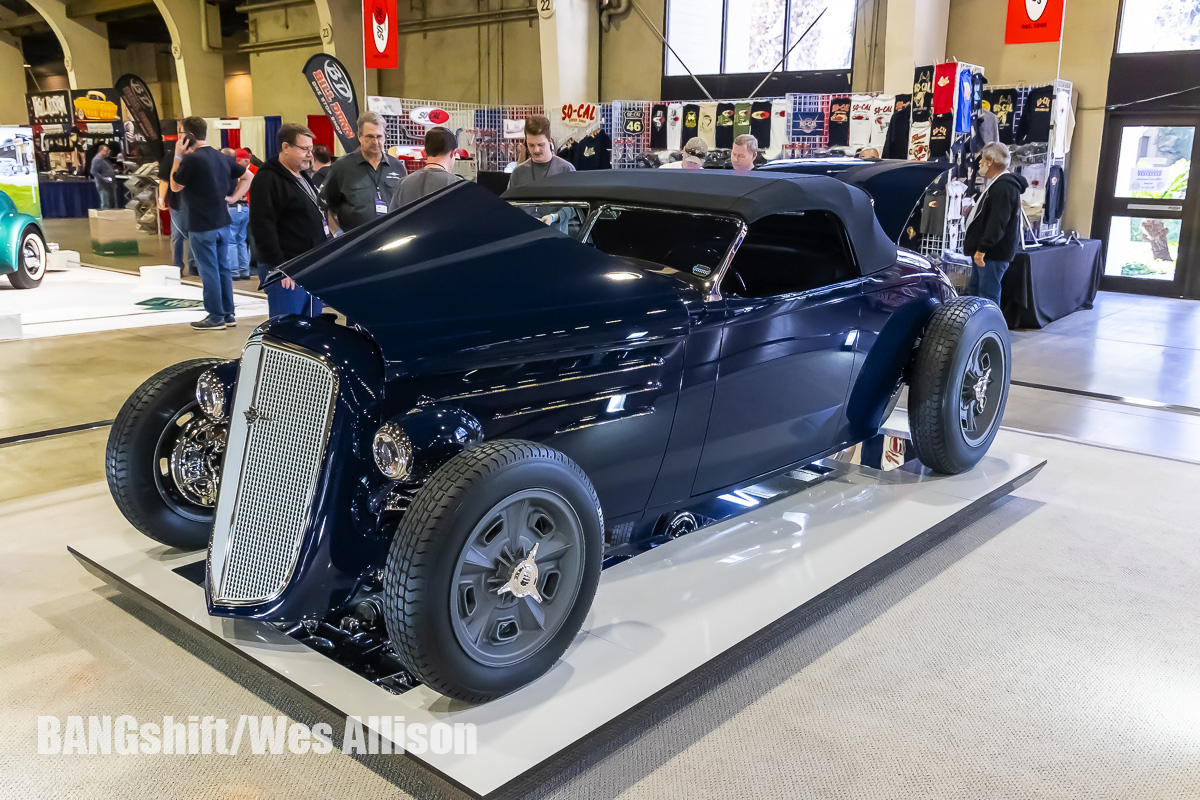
(145, 437)
(959, 385)
(493, 569)
(31, 260)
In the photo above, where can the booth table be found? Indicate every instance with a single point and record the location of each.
(1048, 283)
(73, 198)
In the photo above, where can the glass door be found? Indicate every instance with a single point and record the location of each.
(1146, 212)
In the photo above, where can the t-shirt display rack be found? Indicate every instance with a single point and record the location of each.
(803, 142)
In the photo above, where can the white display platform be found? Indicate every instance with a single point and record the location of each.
(656, 618)
(85, 300)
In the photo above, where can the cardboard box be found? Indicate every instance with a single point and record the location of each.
(114, 232)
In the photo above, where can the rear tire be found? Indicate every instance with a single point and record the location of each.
(31, 260)
(448, 599)
(960, 384)
(139, 484)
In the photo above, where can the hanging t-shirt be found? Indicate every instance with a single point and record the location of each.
(781, 114)
(760, 123)
(809, 123)
(940, 135)
(882, 109)
(691, 122)
(918, 139)
(978, 82)
(741, 119)
(945, 83)
(1002, 103)
(1034, 124)
(966, 94)
(839, 122)
(725, 125)
(922, 96)
(896, 145)
(675, 126)
(860, 120)
(1056, 194)
(1064, 124)
(658, 126)
(708, 124)
(593, 152)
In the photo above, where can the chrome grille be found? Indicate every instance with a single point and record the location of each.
(279, 424)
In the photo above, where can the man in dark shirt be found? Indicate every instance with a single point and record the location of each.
(542, 162)
(286, 219)
(105, 178)
(361, 183)
(203, 176)
(438, 172)
(173, 202)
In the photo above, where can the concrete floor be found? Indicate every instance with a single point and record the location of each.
(1041, 651)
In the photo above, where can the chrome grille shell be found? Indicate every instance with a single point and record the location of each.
(278, 432)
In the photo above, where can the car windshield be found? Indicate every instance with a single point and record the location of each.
(694, 244)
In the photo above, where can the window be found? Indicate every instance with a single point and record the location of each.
(738, 36)
(694, 244)
(568, 218)
(788, 253)
(1159, 26)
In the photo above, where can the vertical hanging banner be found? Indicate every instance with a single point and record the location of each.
(145, 140)
(1034, 21)
(330, 82)
(381, 48)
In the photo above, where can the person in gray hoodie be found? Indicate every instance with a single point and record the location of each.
(994, 225)
(441, 150)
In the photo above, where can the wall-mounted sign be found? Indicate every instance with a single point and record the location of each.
(95, 105)
(50, 108)
(579, 116)
(381, 48)
(545, 8)
(228, 124)
(429, 116)
(634, 122)
(1034, 21)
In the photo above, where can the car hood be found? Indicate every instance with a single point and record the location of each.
(461, 278)
(896, 187)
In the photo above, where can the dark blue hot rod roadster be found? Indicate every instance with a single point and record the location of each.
(524, 388)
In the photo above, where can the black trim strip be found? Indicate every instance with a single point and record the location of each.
(845, 589)
(1136, 402)
(23, 438)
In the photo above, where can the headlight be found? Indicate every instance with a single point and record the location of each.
(393, 451)
(210, 394)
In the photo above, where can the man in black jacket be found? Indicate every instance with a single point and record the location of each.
(286, 219)
(994, 225)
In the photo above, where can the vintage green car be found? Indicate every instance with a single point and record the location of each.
(23, 251)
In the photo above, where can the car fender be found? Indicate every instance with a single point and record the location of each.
(12, 223)
(438, 433)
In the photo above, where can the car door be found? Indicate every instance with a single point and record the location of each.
(792, 297)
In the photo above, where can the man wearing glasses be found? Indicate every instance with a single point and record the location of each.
(286, 219)
(360, 184)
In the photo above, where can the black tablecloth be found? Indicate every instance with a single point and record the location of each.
(1048, 283)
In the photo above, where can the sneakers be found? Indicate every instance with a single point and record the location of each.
(230, 321)
(209, 324)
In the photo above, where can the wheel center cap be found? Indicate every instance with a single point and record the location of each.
(980, 389)
(524, 578)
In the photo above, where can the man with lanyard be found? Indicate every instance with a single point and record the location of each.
(286, 219)
(361, 183)
(438, 172)
(542, 161)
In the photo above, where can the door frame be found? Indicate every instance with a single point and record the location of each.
(1187, 262)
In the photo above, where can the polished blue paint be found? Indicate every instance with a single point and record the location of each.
(666, 395)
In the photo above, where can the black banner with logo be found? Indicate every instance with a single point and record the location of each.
(145, 140)
(50, 108)
(330, 82)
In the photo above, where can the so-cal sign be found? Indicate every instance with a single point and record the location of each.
(580, 115)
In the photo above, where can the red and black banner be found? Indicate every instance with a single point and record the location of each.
(381, 48)
(145, 140)
(330, 82)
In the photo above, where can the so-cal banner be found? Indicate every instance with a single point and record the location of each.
(1034, 21)
(146, 135)
(381, 47)
(330, 82)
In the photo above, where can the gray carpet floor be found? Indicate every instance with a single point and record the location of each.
(1049, 648)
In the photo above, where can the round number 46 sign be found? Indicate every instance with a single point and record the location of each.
(545, 8)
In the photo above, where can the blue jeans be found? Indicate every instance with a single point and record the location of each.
(179, 237)
(210, 249)
(985, 280)
(281, 301)
(239, 252)
(108, 195)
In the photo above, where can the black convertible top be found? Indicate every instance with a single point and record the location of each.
(750, 196)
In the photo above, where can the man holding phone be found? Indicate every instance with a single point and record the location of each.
(202, 176)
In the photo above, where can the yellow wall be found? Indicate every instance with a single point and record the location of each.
(631, 56)
(278, 86)
(977, 36)
(485, 64)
